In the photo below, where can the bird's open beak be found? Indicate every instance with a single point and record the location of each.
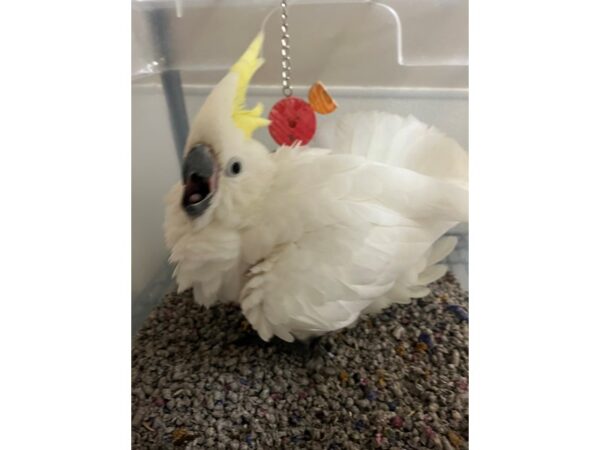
(199, 179)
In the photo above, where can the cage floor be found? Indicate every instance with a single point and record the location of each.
(202, 380)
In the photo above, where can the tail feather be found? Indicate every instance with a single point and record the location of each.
(441, 248)
(432, 273)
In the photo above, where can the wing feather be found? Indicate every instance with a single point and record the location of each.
(353, 230)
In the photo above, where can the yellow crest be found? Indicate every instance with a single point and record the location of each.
(248, 120)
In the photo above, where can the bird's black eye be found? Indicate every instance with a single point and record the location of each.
(234, 167)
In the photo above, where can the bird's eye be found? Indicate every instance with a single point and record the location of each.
(234, 167)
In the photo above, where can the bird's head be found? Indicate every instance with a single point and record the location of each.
(224, 170)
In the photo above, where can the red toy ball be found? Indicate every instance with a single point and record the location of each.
(292, 120)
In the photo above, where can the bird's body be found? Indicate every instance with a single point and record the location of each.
(308, 239)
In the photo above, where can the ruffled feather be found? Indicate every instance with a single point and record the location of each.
(352, 231)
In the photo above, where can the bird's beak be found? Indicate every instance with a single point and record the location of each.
(199, 180)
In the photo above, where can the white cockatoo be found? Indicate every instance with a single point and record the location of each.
(306, 240)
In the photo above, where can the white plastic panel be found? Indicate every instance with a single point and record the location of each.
(419, 44)
(154, 170)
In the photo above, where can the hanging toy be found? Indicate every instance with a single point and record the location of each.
(293, 120)
(320, 100)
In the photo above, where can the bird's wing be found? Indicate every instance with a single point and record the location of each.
(410, 144)
(396, 141)
(335, 233)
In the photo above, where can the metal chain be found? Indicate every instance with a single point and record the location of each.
(286, 59)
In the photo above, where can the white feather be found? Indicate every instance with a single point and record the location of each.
(313, 238)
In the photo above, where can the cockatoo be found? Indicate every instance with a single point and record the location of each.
(306, 239)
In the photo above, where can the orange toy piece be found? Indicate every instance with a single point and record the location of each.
(320, 100)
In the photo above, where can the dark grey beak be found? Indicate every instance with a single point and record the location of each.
(199, 179)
